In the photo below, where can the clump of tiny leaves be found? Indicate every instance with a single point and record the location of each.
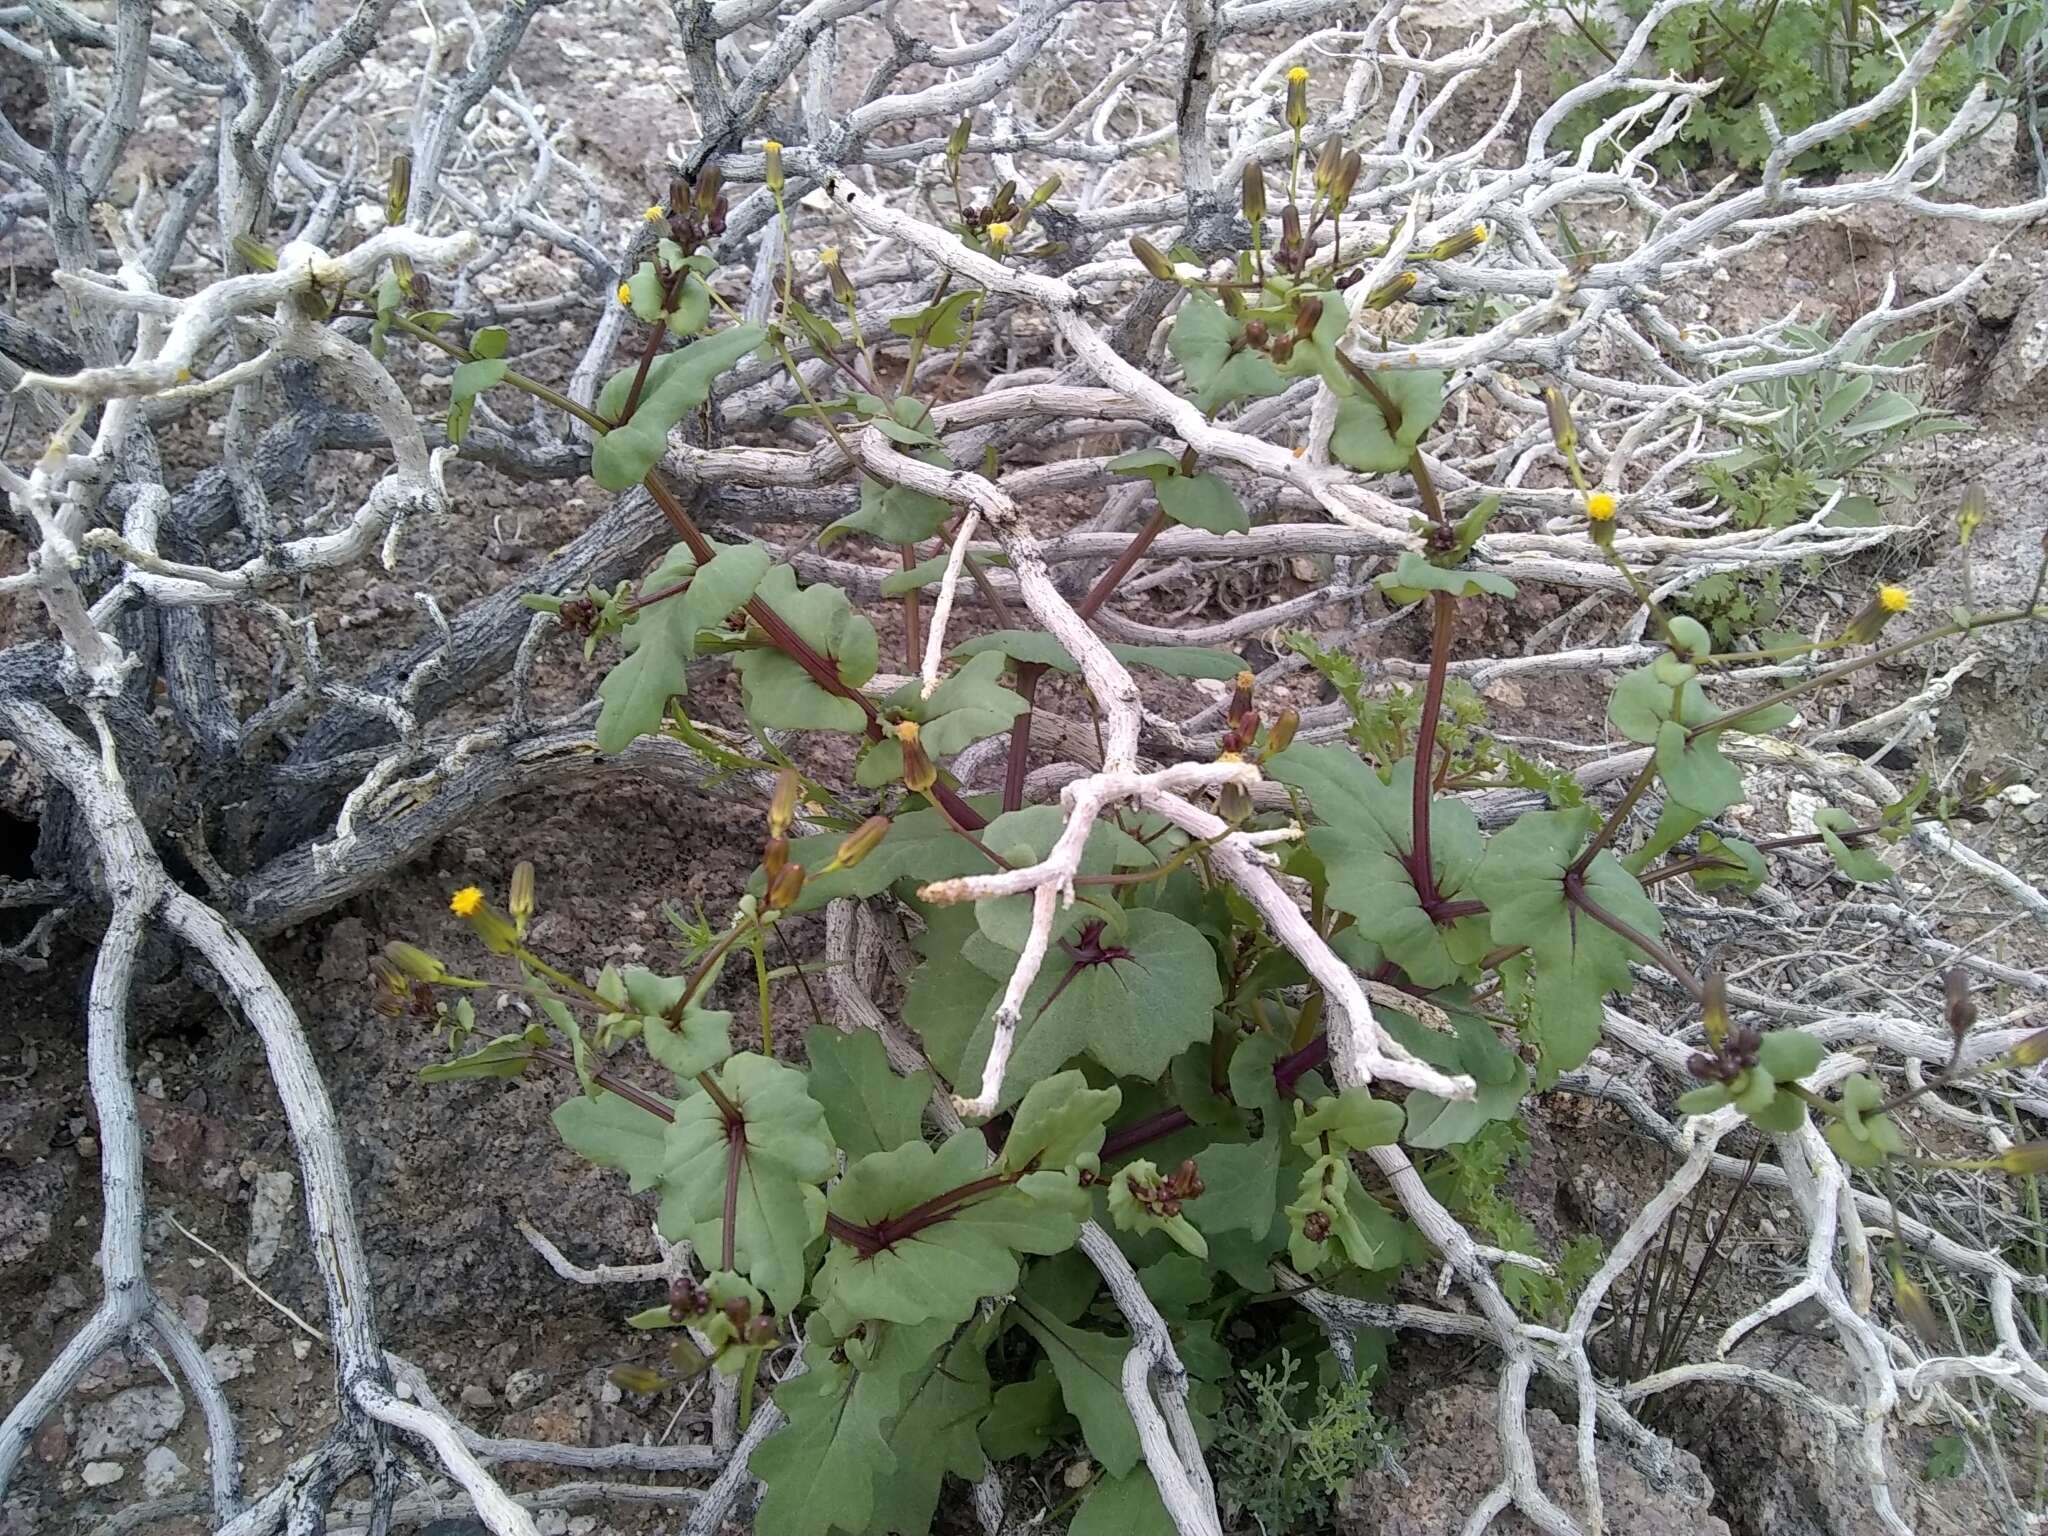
(915, 1300)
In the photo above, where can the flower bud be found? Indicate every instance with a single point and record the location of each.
(772, 176)
(1045, 191)
(1290, 225)
(1254, 198)
(1326, 164)
(774, 855)
(1458, 244)
(1915, 1308)
(398, 190)
(520, 902)
(1562, 432)
(1306, 317)
(1714, 1009)
(2024, 1159)
(1240, 696)
(1233, 802)
(708, 182)
(1345, 178)
(1392, 291)
(1152, 259)
(860, 842)
(835, 276)
(785, 887)
(1957, 1006)
(1281, 733)
(415, 962)
(956, 141)
(1297, 98)
(782, 804)
(918, 772)
(2030, 1052)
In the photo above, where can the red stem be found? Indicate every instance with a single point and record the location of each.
(1420, 867)
(1121, 566)
(1019, 763)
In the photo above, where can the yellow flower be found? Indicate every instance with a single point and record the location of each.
(656, 213)
(772, 146)
(1600, 506)
(466, 902)
(1297, 75)
(1479, 234)
(1895, 599)
(998, 233)
(626, 295)
(828, 256)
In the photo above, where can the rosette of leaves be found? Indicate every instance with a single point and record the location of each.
(1757, 1087)
(1860, 1133)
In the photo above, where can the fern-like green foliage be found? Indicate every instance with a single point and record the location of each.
(1804, 59)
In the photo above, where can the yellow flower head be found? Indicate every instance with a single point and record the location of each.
(1600, 506)
(626, 295)
(1895, 599)
(998, 233)
(828, 256)
(466, 902)
(656, 213)
(906, 731)
(1297, 75)
(1479, 233)
(771, 146)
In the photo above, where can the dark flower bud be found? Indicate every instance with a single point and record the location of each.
(1307, 316)
(774, 856)
(1327, 160)
(1282, 350)
(1346, 178)
(1256, 334)
(1254, 199)
(1957, 1005)
(785, 887)
(1316, 1227)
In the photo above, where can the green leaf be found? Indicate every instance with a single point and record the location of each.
(1789, 1054)
(970, 704)
(941, 1270)
(1025, 837)
(1577, 961)
(1352, 1119)
(1124, 1506)
(1747, 877)
(468, 381)
(1024, 1418)
(1890, 409)
(1203, 341)
(676, 385)
(1704, 1101)
(1860, 1136)
(1042, 650)
(867, 1106)
(1059, 1124)
(614, 1132)
(490, 342)
(1200, 500)
(1413, 576)
(943, 323)
(1859, 864)
(1133, 1015)
(661, 639)
(1364, 840)
(1090, 1371)
(784, 1154)
(1641, 703)
(934, 1436)
(1361, 440)
(893, 514)
(1497, 1073)
(1695, 773)
(919, 845)
(777, 692)
(504, 1056)
(822, 1467)
(698, 1043)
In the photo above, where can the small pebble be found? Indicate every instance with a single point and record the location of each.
(100, 1473)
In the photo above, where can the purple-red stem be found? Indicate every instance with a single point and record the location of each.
(1019, 761)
